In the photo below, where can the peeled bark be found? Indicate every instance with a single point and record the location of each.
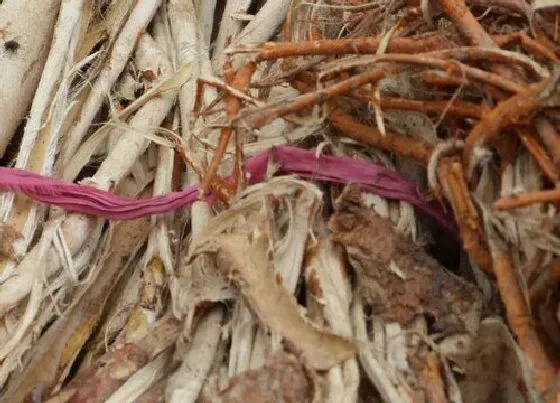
(26, 28)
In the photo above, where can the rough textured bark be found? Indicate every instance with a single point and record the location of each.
(26, 28)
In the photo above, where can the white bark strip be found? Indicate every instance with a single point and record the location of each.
(190, 48)
(62, 50)
(118, 163)
(139, 19)
(206, 10)
(26, 28)
(371, 365)
(185, 384)
(262, 28)
(229, 29)
(141, 381)
(40, 159)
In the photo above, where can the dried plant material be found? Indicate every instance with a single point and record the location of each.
(539, 5)
(282, 379)
(496, 369)
(186, 383)
(539, 95)
(544, 368)
(381, 94)
(327, 279)
(390, 389)
(121, 51)
(396, 276)
(242, 253)
(143, 379)
(8, 235)
(245, 261)
(59, 347)
(113, 369)
(430, 379)
(156, 394)
(229, 29)
(25, 30)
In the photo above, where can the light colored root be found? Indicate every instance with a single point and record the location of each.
(122, 49)
(31, 25)
(185, 384)
(372, 366)
(263, 26)
(118, 163)
(229, 30)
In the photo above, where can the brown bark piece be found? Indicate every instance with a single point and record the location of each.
(99, 381)
(282, 379)
(247, 263)
(8, 235)
(396, 276)
(109, 372)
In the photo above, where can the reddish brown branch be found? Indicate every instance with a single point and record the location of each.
(527, 199)
(367, 45)
(455, 107)
(452, 67)
(531, 46)
(392, 142)
(263, 117)
(550, 137)
(540, 155)
(469, 26)
(547, 280)
(453, 182)
(233, 105)
(521, 321)
(507, 112)
(466, 23)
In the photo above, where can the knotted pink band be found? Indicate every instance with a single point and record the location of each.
(288, 160)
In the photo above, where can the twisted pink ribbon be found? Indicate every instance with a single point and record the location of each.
(288, 161)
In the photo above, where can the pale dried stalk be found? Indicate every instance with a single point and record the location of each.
(186, 383)
(122, 49)
(189, 34)
(56, 347)
(37, 317)
(37, 264)
(330, 289)
(229, 29)
(110, 25)
(157, 262)
(265, 23)
(30, 24)
(249, 349)
(99, 381)
(186, 30)
(61, 51)
(117, 164)
(186, 36)
(206, 10)
(371, 365)
(143, 380)
(117, 317)
(190, 48)
(38, 148)
(243, 341)
(263, 26)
